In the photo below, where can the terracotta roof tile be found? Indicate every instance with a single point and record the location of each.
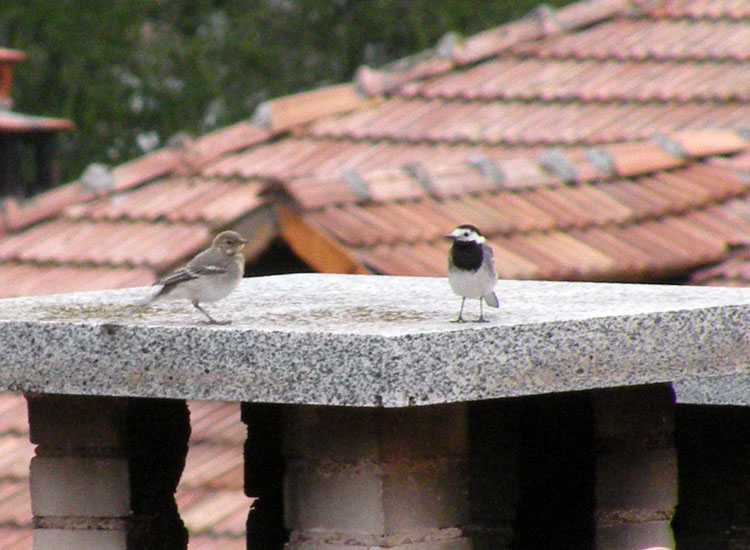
(528, 124)
(208, 462)
(409, 226)
(630, 261)
(145, 168)
(345, 226)
(709, 142)
(432, 255)
(441, 216)
(734, 229)
(540, 222)
(312, 193)
(399, 258)
(212, 542)
(15, 451)
(389, 185)
(519, 214)
(305, 157)
(701, 9)
(534, 248)
(15, 538)
(739, 207)
(644, 38)
(13, 415)
(374, 82)
(232, 138)
(591, 80)
(176, 199)
(219, 513)
(510, 263)
(284, 112)
(148, 244)
(217, 422)
(15, 501)
(20, 279)
(733, 271)
(18, 215)
(641, 158)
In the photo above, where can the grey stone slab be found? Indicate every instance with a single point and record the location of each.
(372, 340)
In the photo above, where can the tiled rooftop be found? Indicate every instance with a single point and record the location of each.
(554, 216)
(584, 141)
(210, 496)
(607, 140)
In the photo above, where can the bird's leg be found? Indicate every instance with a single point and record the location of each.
(481, 311)
(211, 320)
(460, 312)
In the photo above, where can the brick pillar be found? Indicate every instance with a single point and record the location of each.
(102, 471)
(636, 467)
(376, 478)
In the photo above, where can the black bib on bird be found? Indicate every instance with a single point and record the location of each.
(466, 255)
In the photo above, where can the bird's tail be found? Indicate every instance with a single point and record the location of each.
(146, 300)
(491, 299)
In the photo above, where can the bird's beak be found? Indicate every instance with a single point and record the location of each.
(450, 237)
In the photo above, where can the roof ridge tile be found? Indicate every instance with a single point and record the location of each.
(18, 214)
(452, 51)
(557, 161)
(282, 113)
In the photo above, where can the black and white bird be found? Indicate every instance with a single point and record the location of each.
(471, 268)
(210, 276)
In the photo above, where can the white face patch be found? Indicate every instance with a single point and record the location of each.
(467, 235)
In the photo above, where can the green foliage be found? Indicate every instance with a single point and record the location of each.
(132, 73)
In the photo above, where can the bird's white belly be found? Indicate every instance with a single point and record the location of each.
(202, 290)
(468, 284)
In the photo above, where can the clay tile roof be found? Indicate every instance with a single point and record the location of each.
(660, 211)
(15, 453)
(210, 496)
(286, 112)
(606, 140)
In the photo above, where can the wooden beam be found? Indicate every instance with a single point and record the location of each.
(260, 227)
(315, 247)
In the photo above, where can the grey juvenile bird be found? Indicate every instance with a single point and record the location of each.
(210, 276)
(471, 268)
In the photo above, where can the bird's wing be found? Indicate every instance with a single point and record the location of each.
(203, 270)
(178, 276)
(489, 265)
(204, 264)
(489, 258)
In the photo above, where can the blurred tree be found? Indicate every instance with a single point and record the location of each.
(131, 73)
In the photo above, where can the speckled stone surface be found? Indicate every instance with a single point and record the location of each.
(370, 340)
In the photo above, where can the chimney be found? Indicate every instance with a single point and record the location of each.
(27, 143)
(7, 58)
